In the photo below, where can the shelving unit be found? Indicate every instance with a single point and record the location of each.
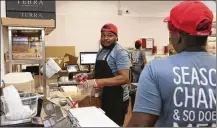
(30, 32)
(30, 27)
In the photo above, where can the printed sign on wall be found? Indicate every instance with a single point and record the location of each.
(31, 5)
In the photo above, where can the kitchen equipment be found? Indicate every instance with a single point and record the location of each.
(28, 99)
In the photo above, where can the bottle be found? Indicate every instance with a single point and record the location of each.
(96, 92)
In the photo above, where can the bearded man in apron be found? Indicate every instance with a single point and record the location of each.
(111, 73)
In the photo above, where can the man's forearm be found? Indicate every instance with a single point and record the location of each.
(140, 119)
(114, 81)
(91, 75)
(137, 125)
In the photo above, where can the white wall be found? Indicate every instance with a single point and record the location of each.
(79, 23)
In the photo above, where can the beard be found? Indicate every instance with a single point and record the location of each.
(108, 47)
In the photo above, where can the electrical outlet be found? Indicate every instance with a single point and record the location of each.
(120, 12)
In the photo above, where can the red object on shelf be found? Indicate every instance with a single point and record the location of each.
(147, 42)
(166, 50)
(154, 50)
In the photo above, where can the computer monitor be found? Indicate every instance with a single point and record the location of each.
(88, 58)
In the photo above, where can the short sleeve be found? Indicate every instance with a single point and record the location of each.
(148, 99)
(122, 60)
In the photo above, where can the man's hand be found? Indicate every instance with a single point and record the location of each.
(89, 85)
(81, 77)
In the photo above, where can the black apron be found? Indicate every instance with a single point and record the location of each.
(112, 96)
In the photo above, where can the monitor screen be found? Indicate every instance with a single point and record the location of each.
(88, 57)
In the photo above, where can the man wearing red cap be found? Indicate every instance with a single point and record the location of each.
(112, 74)
(138, 61)
(180, 91)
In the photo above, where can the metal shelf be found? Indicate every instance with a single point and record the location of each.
(28, 32)
(26, 61)
(24, 28)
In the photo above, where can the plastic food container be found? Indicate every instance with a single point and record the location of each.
(30, 99)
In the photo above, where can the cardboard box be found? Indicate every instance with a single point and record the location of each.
(59, 51)
(62, 55)
(20, 47)
(68, 59)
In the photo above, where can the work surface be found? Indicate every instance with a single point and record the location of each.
(95, 101)
(92, 117)
(88, 112)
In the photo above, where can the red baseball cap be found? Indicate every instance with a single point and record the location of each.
(139, 41)
(187, 15)
(109, 28)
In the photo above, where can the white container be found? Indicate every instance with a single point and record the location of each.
(22, 81)
(30, 99)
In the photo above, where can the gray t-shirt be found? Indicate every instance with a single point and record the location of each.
(118, 59)
(138, 58)
(182, 92)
